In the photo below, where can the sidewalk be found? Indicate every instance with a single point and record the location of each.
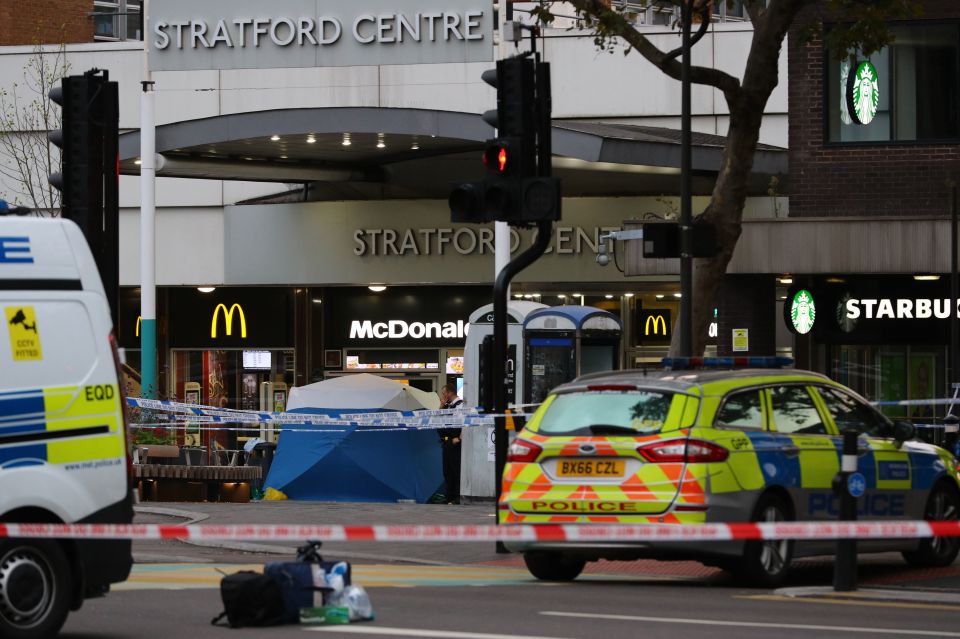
(883, 577)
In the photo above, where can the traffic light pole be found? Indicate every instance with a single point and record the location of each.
(686, 205)
(501, 290)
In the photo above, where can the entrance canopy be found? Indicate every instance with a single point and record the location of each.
(378, 153)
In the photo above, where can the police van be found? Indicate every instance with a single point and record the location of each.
(63, 431)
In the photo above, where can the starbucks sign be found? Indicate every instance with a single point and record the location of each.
(863, 93)
(803, 312)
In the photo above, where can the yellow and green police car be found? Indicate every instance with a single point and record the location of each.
(687, 446)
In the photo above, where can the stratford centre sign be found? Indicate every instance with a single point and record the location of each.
(462, 240)
(247, 34)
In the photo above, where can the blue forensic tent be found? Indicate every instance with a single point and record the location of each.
(351, 463)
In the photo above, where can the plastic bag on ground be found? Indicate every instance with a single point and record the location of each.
(355, 599)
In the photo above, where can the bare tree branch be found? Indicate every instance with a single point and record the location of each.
(26, 115)
(612, 23)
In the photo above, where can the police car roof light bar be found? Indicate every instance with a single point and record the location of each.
(726, 362)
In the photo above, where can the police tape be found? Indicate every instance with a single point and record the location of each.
(744, 531)
(443, 418)
(917, 402)
(196, 428)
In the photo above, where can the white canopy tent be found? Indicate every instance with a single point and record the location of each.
(361, 390)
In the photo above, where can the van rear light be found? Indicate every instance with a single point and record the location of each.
(523, 451)
(694, 451)
(123, 406)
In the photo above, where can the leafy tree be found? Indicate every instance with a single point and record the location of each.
(862, 26)
(26, 115)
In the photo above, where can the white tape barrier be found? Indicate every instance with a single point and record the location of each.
(448, 418)
(512, 532)
(917, 402)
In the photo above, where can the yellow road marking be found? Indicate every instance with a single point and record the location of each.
(190, 576)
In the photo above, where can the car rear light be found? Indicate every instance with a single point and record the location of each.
(123, 406)
(611, 387)
(523, 451)
(694, 451)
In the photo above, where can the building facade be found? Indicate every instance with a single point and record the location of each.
(291, 188)
(883, 329)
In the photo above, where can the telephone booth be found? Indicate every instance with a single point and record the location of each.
(564, 342)
(477, 466)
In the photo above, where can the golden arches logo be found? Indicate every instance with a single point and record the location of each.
(228, 319)
(659, 325)
(136, 331)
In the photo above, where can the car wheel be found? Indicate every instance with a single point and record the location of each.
(553, 566)
(766, 563)
(933, 552)
(35, 589)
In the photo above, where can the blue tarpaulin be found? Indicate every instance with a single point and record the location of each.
(351, 463)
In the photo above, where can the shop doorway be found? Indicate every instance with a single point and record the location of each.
(229, 378)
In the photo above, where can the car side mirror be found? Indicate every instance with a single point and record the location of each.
(902, 430)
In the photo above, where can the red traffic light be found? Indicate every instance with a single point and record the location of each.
(498, 157)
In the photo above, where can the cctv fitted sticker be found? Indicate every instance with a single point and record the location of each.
(24, 334)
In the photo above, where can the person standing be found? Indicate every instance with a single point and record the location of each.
(450, 446)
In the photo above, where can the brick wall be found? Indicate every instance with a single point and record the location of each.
(896, 179)
(748, 301)
(45, 21)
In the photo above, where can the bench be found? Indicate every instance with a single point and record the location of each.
(167, 481)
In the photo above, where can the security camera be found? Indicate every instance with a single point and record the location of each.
(602, 257)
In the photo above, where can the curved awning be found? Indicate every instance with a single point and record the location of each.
(372, 152)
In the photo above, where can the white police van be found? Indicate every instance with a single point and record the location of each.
(63, 440)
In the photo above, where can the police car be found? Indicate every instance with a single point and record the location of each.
(721, 445)
(63, 440)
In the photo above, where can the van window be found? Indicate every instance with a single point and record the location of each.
(608, 413)
(67, 344)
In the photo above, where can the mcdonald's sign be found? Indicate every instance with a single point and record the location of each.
(137, 330)
(228, 320)
(654, 325)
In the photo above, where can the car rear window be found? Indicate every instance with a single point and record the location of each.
(607, 413)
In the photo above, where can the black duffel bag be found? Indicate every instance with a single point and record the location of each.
(251, 599)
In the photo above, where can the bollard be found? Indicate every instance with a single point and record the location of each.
(951, 424)
(848, 485)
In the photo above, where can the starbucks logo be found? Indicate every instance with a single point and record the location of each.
(863, 93)
(803, 312)
(845, 323)
(844, 84)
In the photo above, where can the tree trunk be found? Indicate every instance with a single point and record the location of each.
(725, 212)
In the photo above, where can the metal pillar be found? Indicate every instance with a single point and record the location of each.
(845, 566)
(686, 205)
(501, 248)
(950, 422)
(497, 386)
(148, 259)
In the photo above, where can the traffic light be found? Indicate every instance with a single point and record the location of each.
(80, 149)
(89, 178)
(518, 188)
